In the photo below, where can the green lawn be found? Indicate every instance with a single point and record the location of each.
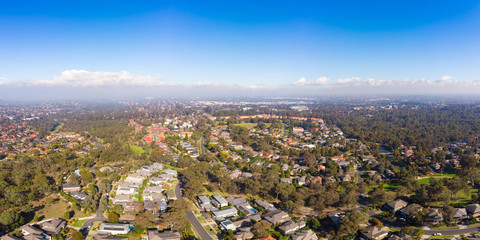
(426, 179)
(249, 125)
(390, 187)
(77, 223)
(201, 220)
(136, 149)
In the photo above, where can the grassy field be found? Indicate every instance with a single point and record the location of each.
(136, 149)
(56, 209)
(426, 179)
(77, 223)
(249, 125)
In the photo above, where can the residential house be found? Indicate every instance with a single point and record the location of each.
(157, 180)
(305, 235)
(224, 213)
(396, 205)
(276, 217)
(267, 238)
(301, 180)
(113, 228)
(166, 235)
(243, 234)
(434, 215)
(155, 197)
(473, 210)
(227, 225)
(79, 196)
(219, 201)
(30, 229)
(122, 198)
(377, 233)
(53, 226)
(460, 214)
(246, 209)
(108, 237)
(291, 227)
(265, 205)
(203, 199)
(236, 201)
(153, 189)
(67, 187)
(171, 172)
(9, 237)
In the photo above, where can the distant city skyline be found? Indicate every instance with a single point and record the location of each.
(57, 49)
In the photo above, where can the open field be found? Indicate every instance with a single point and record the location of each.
(56, 209)
(249, 125)
(136, 149)
(426, 179)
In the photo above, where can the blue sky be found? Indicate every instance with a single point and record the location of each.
(264, 44)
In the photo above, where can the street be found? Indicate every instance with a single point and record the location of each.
(204, 234)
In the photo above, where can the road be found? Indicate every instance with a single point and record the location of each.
(99, 217)
(453, 232)
(204, 234)
(203, 145)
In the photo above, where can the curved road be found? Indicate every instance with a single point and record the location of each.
(204, 234)
(99, 217)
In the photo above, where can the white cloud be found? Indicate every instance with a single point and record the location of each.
(302, 81)
(357, 81)
(445, 80)
(208, 84)
(83, 78)
(319, 81)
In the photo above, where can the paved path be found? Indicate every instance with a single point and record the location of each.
(202, 232)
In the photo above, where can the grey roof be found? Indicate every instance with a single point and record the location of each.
(460, 213)
(305, 235)
(220, 199)
(397, 204)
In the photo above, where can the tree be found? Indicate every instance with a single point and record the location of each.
(175, 217)
(351, 223)
(76, 235)
(260, 229)
(86, 176)
(228, 235)
(448, 212)
(313, 223)
(145, 219)
(416, 233)
(113, 217)
(9, 217)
